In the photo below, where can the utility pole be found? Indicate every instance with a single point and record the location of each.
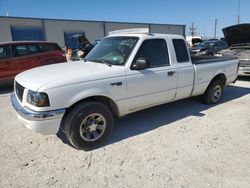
(215, 27)
(238, 15)
(192, 30)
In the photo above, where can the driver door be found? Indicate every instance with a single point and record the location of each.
(155, 84)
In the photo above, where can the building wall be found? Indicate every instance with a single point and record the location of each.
(54, 29)
(6, 23)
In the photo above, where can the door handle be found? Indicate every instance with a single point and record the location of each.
(116, 84)
(171, 73)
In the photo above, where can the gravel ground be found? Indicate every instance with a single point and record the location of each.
(181, 144)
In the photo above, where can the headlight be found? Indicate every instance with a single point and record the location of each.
(38, 99)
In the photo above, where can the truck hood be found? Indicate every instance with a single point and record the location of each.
(60, 74)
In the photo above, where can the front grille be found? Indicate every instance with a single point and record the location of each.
(19, 91)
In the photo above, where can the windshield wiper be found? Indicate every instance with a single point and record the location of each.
(101, 61)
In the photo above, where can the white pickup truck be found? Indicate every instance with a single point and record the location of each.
(129, 70)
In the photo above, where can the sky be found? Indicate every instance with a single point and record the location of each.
(185, 12)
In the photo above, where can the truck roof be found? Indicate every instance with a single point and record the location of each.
(142, 32)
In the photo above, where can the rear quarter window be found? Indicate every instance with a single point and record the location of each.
(45, 47)
(33, 49)
(181, 52)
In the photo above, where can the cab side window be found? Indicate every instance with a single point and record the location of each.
(181, 52)
(155, 51)
(5, 52)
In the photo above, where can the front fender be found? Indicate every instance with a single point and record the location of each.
(88, 93)
(66, 96)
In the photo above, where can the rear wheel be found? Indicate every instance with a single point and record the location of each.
(88, 125)
(213, 93)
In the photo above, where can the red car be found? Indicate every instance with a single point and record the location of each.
(18, 56)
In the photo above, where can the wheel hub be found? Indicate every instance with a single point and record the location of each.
(92, 127)
(216, 93)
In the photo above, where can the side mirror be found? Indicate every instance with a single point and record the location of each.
(140, 64)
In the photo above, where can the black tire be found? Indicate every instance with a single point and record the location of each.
(213, 93)
(78, 127)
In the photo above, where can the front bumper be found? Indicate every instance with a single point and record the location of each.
(42, 122)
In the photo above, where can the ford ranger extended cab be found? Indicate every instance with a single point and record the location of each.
(129, 70)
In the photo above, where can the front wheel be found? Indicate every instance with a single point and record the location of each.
(88, 125)
(213, 93)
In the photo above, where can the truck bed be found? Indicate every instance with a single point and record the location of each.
(210, 59)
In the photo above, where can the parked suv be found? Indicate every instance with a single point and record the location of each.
(16, 57)
(209, 47)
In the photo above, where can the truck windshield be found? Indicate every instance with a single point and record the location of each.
(112, 50)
